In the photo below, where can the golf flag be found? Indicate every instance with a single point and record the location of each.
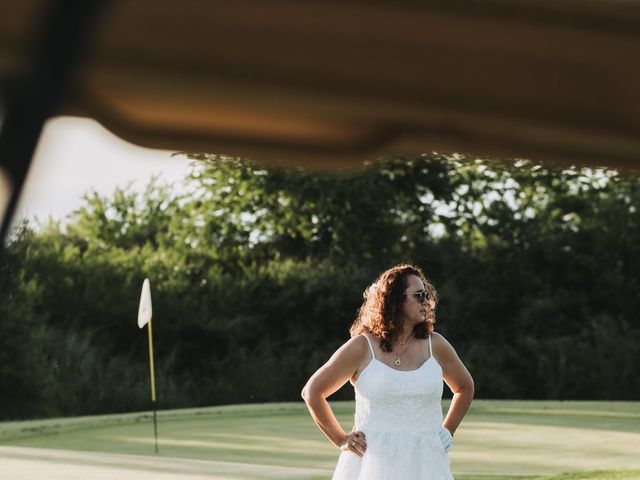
(144, 310)
(144, 318)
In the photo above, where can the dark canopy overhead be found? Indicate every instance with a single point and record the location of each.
(333, 82)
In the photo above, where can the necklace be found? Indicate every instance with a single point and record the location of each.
(406, 342)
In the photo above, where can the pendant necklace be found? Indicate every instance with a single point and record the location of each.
(397, 361)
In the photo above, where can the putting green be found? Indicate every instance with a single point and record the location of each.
(498, 440)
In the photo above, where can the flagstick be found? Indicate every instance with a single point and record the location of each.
(153, 385)
(145, 312)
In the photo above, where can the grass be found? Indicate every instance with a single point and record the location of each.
(498, 439)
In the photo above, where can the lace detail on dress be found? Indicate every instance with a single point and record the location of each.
(401, 414)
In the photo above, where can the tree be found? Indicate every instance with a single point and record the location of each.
(257, 273)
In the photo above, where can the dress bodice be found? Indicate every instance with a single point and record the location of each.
(401, 415)
(393, 400)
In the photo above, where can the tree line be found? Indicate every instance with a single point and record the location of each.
(257, 273)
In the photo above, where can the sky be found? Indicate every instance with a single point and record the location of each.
(76, 155)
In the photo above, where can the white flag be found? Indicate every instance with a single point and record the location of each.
(144, 310)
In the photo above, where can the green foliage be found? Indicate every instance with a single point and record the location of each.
(23, 371)
(257, 273)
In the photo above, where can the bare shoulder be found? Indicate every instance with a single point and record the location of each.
(441, 346)
(454, 372)
(342, 366)
(355, 348)
(438, 339)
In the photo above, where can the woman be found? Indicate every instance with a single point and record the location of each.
(396, 364)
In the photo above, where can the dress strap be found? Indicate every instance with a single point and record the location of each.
(430, 348)
(370, 346)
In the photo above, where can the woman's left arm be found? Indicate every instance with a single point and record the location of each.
(457, 377)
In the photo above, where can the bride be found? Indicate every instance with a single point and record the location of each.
(397, 364)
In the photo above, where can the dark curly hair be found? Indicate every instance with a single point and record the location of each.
(381, 310)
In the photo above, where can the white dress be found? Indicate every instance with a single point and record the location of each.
(400, 413)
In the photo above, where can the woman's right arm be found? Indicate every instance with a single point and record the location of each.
(342, 366)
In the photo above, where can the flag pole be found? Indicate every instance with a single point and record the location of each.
(153, 384)
(144, 318)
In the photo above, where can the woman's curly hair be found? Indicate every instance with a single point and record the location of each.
(381, 310)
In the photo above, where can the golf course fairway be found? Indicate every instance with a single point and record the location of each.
(502, 440)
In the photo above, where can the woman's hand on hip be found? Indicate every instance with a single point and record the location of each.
(446, 438)
(355, 442)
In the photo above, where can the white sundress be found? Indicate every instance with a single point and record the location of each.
(400, 413)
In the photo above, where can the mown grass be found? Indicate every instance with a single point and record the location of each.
(498, 440)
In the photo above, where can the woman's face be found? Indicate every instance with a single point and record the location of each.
(414, 310)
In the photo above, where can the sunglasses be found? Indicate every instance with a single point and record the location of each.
(422, 296)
